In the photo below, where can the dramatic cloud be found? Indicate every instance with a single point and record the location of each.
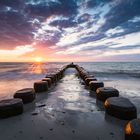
(83, 29)
(48, 8)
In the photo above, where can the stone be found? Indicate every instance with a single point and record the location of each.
(11, 107)
(94, 85)
(103, 93)
(48, 80)
(132, 130)
(87, 80)
(27, 95)
(40, 86)
(121, 108)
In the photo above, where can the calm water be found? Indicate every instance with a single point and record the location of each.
(130, 69)
(124, 76)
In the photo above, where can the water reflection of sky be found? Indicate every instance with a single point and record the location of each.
(15, 76)
(37, 68)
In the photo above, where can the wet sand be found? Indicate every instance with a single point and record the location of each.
(66, 112)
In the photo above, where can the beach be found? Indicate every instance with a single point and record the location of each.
(70, 69)
(66, 111)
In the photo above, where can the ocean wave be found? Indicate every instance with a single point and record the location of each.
(12, 70)
(135, 74)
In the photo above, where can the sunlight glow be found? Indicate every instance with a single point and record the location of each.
(38, 59)
(128, 129)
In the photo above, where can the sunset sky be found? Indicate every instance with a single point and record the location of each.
(69, 30)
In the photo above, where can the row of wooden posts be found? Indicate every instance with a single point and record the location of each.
(114, 105)
(119, 107)
(15, 106)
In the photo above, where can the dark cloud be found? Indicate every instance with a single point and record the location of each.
(63, 23)
(46, 9)
(50, 41)
(50, 38)
(127, 47)
(121, 13)
(94, 3)
(14, 28)
(90, 48)
(84, 18)
(12, 3)
(106, 48)
(16, 19)
(128, 27)
(92, 38)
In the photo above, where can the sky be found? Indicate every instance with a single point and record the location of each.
(69, 30)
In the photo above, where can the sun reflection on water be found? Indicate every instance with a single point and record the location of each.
(37, 68)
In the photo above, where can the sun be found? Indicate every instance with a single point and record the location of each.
(38, 59)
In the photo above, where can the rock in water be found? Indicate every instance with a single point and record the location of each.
(121, 108)
(10, 107)
(132, 130)
(27, 95)
(41, 86)
(94, 85)
(87, 80)
(48, 80)
(105, 92)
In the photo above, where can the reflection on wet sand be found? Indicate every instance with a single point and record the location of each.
(67, 112)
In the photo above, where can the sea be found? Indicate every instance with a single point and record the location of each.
(124, 76)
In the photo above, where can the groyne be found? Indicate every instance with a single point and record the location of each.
(113, 104)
